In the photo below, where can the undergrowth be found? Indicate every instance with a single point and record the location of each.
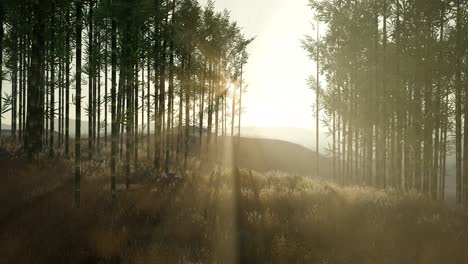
(216, 215)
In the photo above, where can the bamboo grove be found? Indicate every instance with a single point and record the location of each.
(397, 91)
(159, 77)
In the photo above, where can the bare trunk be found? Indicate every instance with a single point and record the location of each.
(52, 92)
(114, 120)
(458, 109)
(317, 106)
(79, 27)
(90, 80)
(34, 124)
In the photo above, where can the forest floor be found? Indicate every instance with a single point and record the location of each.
(215, 215)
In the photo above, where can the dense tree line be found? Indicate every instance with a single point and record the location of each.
(397, 91)
(150, 75)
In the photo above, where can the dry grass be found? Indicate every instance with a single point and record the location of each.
(208, 217)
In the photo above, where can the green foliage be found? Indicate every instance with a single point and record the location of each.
(6, 105)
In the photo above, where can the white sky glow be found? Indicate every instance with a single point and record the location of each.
(278, 95)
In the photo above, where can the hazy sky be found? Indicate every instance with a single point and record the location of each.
(278, 95)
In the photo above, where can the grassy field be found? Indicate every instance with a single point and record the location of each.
(216, 215)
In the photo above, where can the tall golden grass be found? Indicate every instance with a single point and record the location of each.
(212, 214)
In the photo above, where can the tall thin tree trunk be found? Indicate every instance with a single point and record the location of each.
(94, 73)
(458, 107)
(443, 173)
(129, 108)
(106, 99)
(187, 110)
(131, 89)
(465, 141)
(20, 109)
(428, 122)
(121, 104)
(148, 111)
(334, 146)
(52, 90)
(233, 111)
(202, 106)
(67, 86)
(47, 101)
(435, 189)
(399, 112)
(26, 63)
(114, 120)
(170, 101)
(143, 100)
(240, 104)
(98, 108)
(135, 98)
(157, 77)
(14, 79)
(79, 28)
(384, 102)
(59, 87)
(162, 98)
(181, 100)
(317, 106)
(90, 79)
(33, 125)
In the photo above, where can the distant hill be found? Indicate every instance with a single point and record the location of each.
(6, 127)
(84, 127)
(301, 136)
(269, 154)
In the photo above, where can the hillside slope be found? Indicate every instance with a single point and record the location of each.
(277, 155)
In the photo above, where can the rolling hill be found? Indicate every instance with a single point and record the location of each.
(269, 154)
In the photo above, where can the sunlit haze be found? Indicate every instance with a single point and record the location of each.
(278, 95)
